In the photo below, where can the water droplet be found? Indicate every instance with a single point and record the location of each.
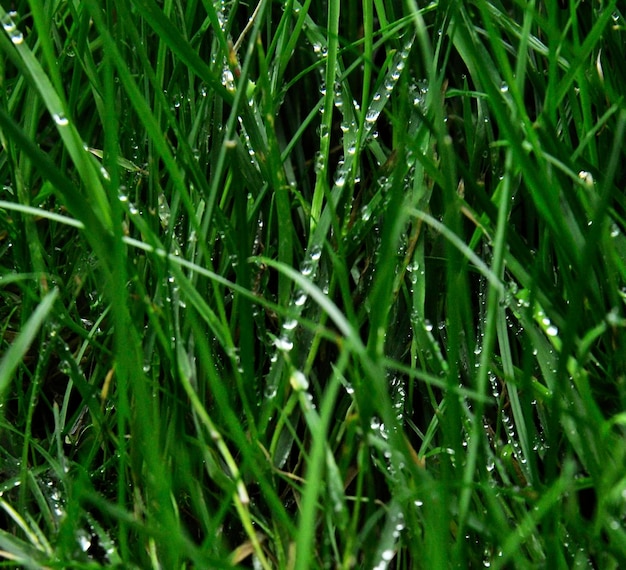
(283, 343)
(60, 119)
(300, 298)
(586, 177)
(551, 330)
(270, 392)
(319, 162)
(315, 253)
(306, 269)
(372, 116)
(298, 381)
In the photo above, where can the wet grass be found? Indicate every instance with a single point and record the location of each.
(319, 284)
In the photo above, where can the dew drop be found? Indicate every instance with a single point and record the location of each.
(300, 298)
(316, 253)
(60, 119)
(372, 116)
(283, 343)
(298, 381)
(551, 330)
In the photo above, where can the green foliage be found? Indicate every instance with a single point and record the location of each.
(312, 284)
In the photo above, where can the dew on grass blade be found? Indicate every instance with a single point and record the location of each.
(11, 28)
(17, 38)
(283, 343)
(315, 253)
(306, 269)
(300, 298)
(60, 119)
(372, 116)
(298, 381)
(340, 179)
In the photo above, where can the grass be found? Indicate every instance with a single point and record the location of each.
(312, 284)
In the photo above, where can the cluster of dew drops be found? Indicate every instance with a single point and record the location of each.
(8, 23)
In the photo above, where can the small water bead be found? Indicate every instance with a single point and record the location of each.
(11, 29)
(283, 343)
(372, 116)
(300, 298)
(319, 162)
(298, 381)
(84, 540)
(228, 80)
(586, 177)
(290, 324)
(270, 392)
(60, 119)
(306, 269)
(340, 180)
(315, 253)
(552, 330)
(17, 38)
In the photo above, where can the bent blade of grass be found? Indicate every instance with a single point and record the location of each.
(16, 352)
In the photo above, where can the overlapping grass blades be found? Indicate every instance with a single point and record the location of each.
(333, 284)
